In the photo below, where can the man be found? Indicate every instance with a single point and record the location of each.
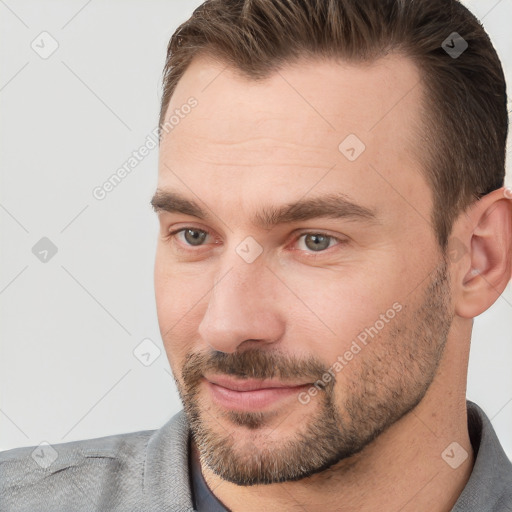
(332, 218)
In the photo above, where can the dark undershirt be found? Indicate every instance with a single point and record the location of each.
(203, 498)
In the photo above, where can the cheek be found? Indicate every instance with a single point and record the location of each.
(346, 313)
(344, 301)
(172, 289)
(165, 292)
(179, 307)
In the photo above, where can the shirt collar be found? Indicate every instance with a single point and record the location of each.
(490, 484)
(169, 480)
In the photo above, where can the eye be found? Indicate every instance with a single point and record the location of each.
(313, 242)
(317, 242)
(192, 236)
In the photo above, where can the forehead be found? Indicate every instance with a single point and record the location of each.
(280, 137)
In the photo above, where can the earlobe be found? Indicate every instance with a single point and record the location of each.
(489, 229)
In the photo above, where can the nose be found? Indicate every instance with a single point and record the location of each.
(243, 308)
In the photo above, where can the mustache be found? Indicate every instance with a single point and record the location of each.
(251, 363)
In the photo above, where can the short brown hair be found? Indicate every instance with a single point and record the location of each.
(465, 118)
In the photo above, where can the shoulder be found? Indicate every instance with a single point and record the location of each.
(113, 445)
(91, 474)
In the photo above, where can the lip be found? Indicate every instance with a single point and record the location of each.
(252, 384)
(250, 395)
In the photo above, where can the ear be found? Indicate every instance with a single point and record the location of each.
(482, 244)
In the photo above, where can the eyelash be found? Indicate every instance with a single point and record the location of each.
(173, 234)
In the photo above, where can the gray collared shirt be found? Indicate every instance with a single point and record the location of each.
(152, 471)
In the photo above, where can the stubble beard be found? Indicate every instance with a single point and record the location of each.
(387, 380)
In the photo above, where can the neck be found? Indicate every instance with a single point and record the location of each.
(402, 469)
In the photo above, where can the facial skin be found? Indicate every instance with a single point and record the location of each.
(247, 147)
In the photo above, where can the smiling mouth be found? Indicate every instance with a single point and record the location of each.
(250, 394)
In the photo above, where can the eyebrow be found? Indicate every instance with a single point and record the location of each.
(336, 206)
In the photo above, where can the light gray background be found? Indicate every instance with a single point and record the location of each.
(69, 326)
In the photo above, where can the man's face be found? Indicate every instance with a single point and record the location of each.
(357, 302)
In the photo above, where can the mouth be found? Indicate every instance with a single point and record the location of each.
(250, 394)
